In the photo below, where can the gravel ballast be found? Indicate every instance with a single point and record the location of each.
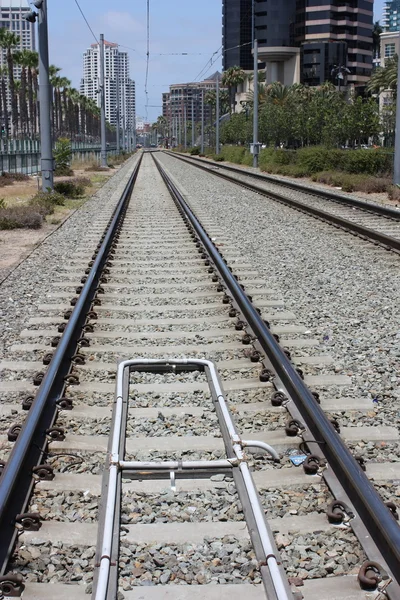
(344, 290)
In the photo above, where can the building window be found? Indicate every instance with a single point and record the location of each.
(390, 50)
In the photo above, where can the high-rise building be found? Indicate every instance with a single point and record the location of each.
(236, 34)
(345, 30)
(391, 15)
(307, 41)
(13, 14)
(116, 67)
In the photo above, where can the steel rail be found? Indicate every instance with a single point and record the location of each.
(16, 481)
(371, 234)
(371, 207)
(378, 519)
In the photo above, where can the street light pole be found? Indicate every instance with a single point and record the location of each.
(255, 93)
(46, 143)
(118, 111)
(396, 169)
(202, 121)
(193, 122)
(102, 105)
(217, 117)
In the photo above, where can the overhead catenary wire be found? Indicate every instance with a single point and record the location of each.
(146, 92)
(86, 21)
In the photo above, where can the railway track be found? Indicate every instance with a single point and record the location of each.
(162, 472)
(374, 222)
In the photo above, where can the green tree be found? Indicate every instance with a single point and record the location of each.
(231, 78)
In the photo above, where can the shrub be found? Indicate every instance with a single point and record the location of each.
(5, 181)
(394, 192)
(44, 202)
(96, 167)
(217, 157)
(195, 151)
(353, 182)
(373, 162)
(18, 217)
(62, 156)
(74, 188)
(15, 176)
(233, 153)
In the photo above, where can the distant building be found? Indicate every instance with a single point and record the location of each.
(307, 41)
(114, 62)
(184, 100)
(391, 15)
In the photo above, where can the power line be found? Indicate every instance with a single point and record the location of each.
(134, 50)
(86, 21)
(147, 58)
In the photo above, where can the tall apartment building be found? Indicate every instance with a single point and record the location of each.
(391, 15)
(12, 13)
(307, 41)
(115, 62)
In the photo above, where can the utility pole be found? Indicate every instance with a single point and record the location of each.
(217, 116)
(124, 131)
(118, 110)
(396, 169)
(185, 125)
(255, 94)
(46, 143)
(103, 105)
(193, 121)
(202, 121)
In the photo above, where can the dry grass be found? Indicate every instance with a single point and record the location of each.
(20, 217)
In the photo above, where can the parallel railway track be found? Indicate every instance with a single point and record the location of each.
(374, 222)
(176, 447)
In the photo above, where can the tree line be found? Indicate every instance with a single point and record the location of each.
(73, 115)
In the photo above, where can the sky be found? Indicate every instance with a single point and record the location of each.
(176, 26)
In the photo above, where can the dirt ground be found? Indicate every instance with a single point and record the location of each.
(17, 244)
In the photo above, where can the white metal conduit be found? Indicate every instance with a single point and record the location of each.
(117, 463)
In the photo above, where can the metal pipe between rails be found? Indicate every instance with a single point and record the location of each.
(16, 479)
(379, 521)
(116, 463)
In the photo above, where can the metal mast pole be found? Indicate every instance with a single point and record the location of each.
(124, 130)
(396, 169)
(193, 121)
(118, 107)
(185, 125)
(102, 105)
(217, 118)
(202, 121)
(255, 93)
(47, 161)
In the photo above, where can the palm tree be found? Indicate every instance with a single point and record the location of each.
(65, 84)
(28, 60)
(231, 78)
(384, 78)
(4, 100)
(8, 41)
